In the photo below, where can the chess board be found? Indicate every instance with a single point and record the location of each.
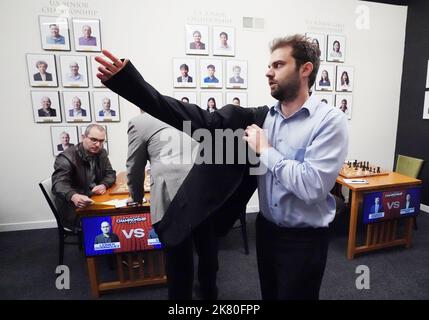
(360, 170)
(121, 187)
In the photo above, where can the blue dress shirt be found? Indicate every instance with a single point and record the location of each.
(308, 149)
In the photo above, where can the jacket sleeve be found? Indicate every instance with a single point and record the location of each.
(109, 174)
(129, 84)
(62, 183)
(136, 163)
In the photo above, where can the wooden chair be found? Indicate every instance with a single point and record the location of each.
(409, 166)
(63, 233)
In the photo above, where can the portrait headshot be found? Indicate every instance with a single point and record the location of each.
(42, 71)
(236, 98)
(186, 96)
(106, 141)
(63, 138)
(46, 106)
(77, 106)
(211, 100)
(345, 78)
(344, 103)
(96, 82)
(325, 79)
(376, 207)
(54, 33)
(319, 39)
(236, 74)
(336, 48)
(74, 71)
(223, 39)
(211, 73)
(106, 235)
(87, 34)
(184, 73)
(197, 37)
(106, 106)
(326, 98)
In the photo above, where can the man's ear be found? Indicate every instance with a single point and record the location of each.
(307, 69)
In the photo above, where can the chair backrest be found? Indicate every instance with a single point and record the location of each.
(46, 187)
(408, 166)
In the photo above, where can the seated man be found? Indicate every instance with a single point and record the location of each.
(150, 139)
(81, 171)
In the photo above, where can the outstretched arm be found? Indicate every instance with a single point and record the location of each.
(122, 78)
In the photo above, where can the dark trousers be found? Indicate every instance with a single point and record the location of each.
(291, 261)
(180, 264)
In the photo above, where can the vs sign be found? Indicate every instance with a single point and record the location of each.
(137, 233)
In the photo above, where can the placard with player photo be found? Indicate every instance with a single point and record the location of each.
(46, 106)
(345, 78)
(344, 102)
(211, 100)
(236, 98)
(236, 74)
(320, 40)
(82, 135)
(74, 71)
(211, 73)
(197, 39)
(63, 137)
(87, 35)
(186, 96)
(184, 73)
(223, 41)
(77, 106)
(325, 79)
(106, 106)
(42, 70)
(336, 48)
(54, 33)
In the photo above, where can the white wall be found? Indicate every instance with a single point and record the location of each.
(150, 33)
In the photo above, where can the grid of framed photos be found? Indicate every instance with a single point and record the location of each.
(211, 74)
(75, 73)
(333, 76)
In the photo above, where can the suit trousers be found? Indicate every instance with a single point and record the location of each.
(180, 264)
(291, 261)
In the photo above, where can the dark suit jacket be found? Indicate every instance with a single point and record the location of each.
(219, 189)
(101, 114)
(238, 80)
(192, 45)
(179, 79)
(102, 239)
(83, 112)
(38, 77)
(52, 113)
(60, 146)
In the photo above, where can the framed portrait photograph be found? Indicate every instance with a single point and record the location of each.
(336, 48)
(42, 70)
(326, 98)
(197, 39)
(184, 73)
(77, 107)
(63, 137)
(427, 76)
(236, 98)
(236, 74)
(186, 96)
(82, 130)
(87, 35)
(96, 83)
(320, 40)
(106, 106)
(344, 102)
(325, 79)
(223, 39)
(426, 106)
(54, 33)
(74, 71)
(345, 77)
(46, 106)
(211, 73)
(211, 100)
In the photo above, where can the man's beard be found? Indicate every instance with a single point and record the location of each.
(287, 90)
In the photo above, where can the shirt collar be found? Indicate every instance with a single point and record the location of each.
(310, 105)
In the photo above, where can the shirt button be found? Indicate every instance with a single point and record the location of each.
(280, 140)
(275, 204)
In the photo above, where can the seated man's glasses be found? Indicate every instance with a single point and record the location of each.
(95, 140)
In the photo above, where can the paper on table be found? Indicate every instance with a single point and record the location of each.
(355, 181)
(112, 203)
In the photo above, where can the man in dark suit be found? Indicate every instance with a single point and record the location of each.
(106, 236)
(236, 78)
(77, 110)
(184, 70)
(295, 204)
(376, 207)
(42, 75)
(65, 142)
(106, 111)
(46, 110)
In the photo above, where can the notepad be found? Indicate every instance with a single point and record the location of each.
(355, 181)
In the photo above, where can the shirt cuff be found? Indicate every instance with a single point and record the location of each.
(270, 157)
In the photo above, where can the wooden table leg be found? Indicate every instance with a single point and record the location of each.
(92, 273)
(356, 198)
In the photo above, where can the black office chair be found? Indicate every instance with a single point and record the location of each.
(63, 233)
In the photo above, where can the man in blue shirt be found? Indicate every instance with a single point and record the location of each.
(55, 37)
(211, 77)
(301, 142)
